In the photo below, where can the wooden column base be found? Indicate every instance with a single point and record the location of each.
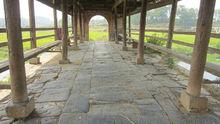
(20, 110)
(140, 61)
(35, 61)
(64, 61)
(192, 103)
(124, 48)
(57, 48)
(74, 47)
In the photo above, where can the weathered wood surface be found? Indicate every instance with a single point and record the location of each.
(124, 22)
(199, 55)
(16, 55)
(210, 49)
(32, 23)
(140, 55)
(5, 43)
(55, 23)
(171, 24)
(4, 65)
(213, 35)
(210, 67)
(64, 31)
(3, 30)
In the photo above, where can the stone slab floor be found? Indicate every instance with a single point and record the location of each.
(103, 85)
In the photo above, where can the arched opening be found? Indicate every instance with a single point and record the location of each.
(98, 29)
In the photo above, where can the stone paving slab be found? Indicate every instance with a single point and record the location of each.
(54, 95)
(103, 85)
(77, 104)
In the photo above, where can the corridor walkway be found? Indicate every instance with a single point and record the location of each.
(103, 85)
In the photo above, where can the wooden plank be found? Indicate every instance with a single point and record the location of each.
(154, 6)
(210, 67)
(46, 36)
(171, 24)
(213, 35)
(2, 30)
(124, 23)
(4, 65)
(44, 29)
(210, 49)
(140, 53)
(3, 44)
(32, 23)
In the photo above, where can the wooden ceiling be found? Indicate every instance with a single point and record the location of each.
(133, 6)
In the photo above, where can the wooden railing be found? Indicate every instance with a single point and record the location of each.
(4, 43)
(4, 65)
(210, 67)
(213, 35)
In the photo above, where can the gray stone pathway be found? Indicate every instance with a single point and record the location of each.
(103, 85)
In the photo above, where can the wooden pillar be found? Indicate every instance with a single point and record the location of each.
(20, 106)
(116, 25)
(32, 24)
(55, 23)
(35, 60)
(124, 47)
(75, 47)
(83, 26)
(72, 20)
(64, 59)
(129, 25)
(190, 98)
(80, 26)
(140, 55)
(171, 24)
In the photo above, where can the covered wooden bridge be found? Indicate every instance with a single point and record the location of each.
(98, 83)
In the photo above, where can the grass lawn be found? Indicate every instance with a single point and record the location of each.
(26, 45)
(214, 42)
(98, 36)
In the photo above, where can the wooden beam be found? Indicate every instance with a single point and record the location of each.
(30, 54)
(203, 33)
(129, 25)
(64, 59)
(171, 24)
(32, 24)
(55, 23)
(20, 106)
(75, 26)
(16, 56)
(124, 47)
(117, 2)
(140, 55)
(80, 26)
(151, 6)
(116, 25)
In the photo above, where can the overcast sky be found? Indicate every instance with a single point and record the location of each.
(44, 11)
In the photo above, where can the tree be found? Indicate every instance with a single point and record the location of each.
(186, 17)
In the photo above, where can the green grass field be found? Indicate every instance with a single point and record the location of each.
(98, 36)
(26, 45)
(103, 36)
(214, 42)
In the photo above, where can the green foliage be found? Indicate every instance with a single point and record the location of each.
(98, 36)
(26, 45)
(155, 41)
(170, 62)
(186, 17)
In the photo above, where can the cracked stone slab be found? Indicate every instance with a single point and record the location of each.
(49, 109)
(77, 104)
(111, 94)
(53, 95)
(57, 84)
